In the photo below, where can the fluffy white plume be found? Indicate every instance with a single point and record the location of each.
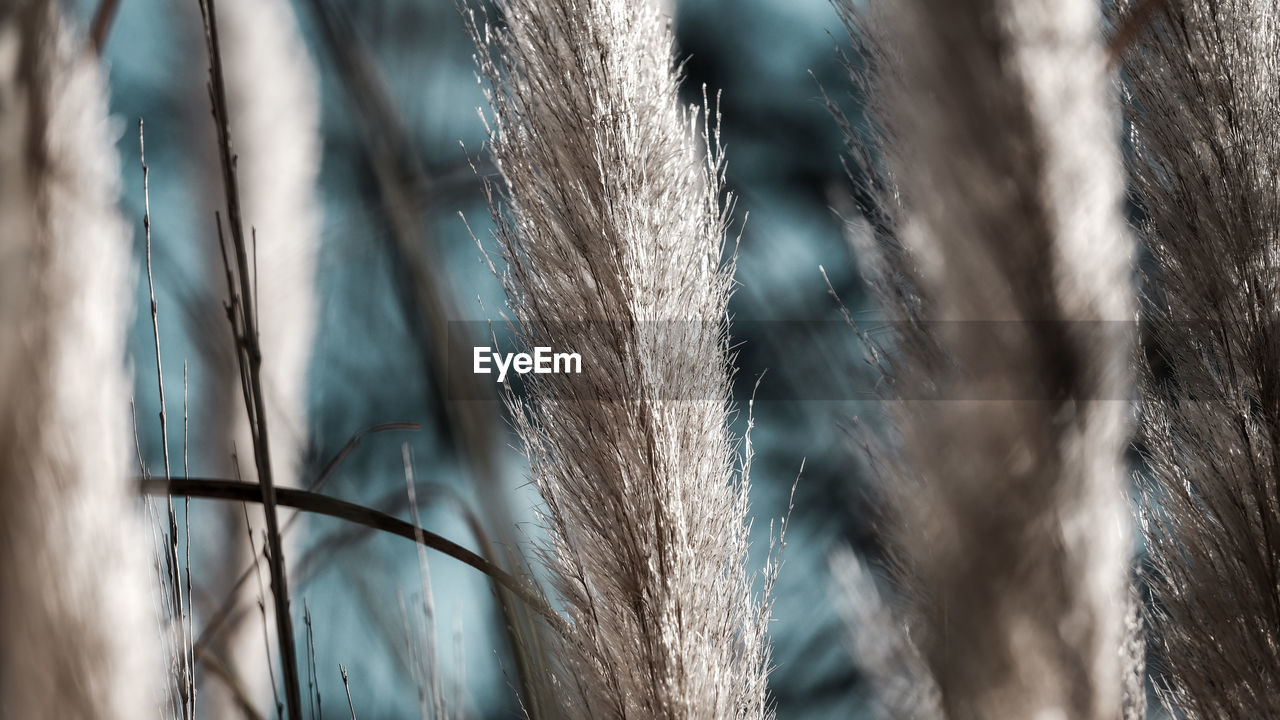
(79, 637)
(613, 243)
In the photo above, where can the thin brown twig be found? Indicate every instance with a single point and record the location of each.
(351, 445)
(313, 678)
(137, 442)
(262, 606)
(151, 288)
(214, 489)
(249, 357)
(185, 683)
(186, 517)
(346, 684)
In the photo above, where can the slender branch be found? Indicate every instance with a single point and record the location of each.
(262, 605)
(185, 683)
(186, 517)
(351, 445)
(213, 489)
(151, 288)
(249, 356)
(346, 684)
(313, 678)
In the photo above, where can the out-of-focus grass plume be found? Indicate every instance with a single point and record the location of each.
(994, 196)
(78, 632)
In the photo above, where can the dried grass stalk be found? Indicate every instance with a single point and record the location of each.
(273, 98)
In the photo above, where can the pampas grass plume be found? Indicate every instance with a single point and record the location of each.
(612, 233)
(78, 633)
(1202, 100)
(1005, 266)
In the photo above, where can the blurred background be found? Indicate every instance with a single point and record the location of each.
(767, 60)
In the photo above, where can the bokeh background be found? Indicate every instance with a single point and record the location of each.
(769, 62)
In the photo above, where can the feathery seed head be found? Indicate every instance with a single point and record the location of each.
(613, 235)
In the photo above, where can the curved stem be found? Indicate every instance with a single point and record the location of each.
(324, 505)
